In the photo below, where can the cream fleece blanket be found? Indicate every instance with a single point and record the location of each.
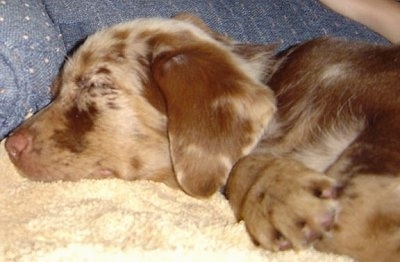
(115, 220)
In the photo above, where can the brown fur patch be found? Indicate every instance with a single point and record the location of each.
(136, 163)
(103, 70)
(78, 123)
(117, 52)
(121, 34)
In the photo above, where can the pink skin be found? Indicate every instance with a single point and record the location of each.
(381, 16)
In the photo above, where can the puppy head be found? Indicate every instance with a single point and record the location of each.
(160, 99)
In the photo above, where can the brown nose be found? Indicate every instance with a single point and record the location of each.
(18, 143)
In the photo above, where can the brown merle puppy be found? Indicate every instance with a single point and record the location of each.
(172, 101)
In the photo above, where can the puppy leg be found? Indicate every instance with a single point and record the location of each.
(283, 203)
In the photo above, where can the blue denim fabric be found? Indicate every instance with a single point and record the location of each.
(282, 21)
(32, 48)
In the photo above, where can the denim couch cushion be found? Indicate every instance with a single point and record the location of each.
(283, 21)
(31, 50)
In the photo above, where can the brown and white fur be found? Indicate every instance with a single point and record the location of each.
(172, 101)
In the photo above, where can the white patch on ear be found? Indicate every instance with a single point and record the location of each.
(242, 109)
(179, 59)
(174, 61)
(258, 109)
(203, 154)
(195, 150)
(198, 152)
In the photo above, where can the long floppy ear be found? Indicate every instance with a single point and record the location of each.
(216, 109)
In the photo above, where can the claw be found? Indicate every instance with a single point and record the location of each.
(311, 235)
(329, 193)
(328, 220)
(284, 245)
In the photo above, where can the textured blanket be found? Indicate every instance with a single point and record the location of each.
(115, 220)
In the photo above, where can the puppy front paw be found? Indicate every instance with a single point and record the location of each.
(289, 206)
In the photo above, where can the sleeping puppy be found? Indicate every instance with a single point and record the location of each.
(172, 101)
